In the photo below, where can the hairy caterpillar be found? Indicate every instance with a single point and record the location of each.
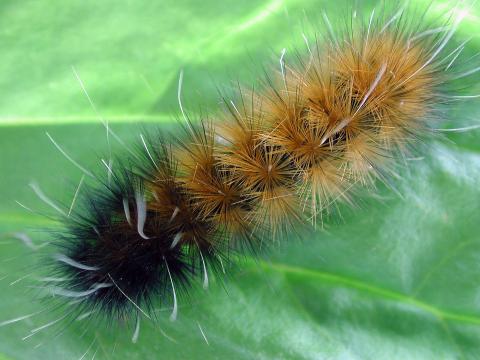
(293, 148)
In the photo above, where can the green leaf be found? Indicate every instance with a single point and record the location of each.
(397, 277)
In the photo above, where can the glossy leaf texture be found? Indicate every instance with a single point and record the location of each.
(397, 277)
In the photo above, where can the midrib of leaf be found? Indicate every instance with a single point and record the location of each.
(387, 294)
(69, 119)
(15, 217)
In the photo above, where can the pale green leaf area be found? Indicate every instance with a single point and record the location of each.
(396, 277)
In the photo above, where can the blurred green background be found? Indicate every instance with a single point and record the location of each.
(396, 278)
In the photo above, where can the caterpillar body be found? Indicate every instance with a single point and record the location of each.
(272, 160)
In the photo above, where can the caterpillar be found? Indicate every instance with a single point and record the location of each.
(274, 159)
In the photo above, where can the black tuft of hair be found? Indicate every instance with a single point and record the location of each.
(116, 254)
